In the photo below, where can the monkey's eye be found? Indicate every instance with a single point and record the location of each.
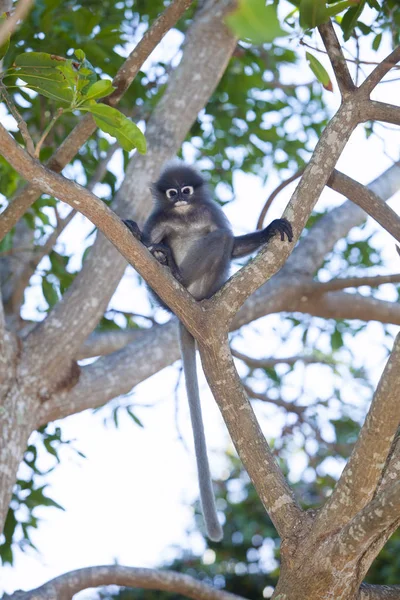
(187, 190)
(171, 193)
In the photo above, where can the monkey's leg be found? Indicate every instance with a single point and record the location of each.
(246, 244)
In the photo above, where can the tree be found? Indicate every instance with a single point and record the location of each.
(325, 552)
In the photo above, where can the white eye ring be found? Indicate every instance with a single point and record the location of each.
(187, 190)
(171, 193)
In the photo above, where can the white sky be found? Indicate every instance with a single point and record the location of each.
(129, 500)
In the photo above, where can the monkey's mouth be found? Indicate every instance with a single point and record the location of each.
(181, 203)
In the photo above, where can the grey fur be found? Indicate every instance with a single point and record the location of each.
(189, 232)
(188, 350)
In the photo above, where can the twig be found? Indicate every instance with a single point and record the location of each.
(268, 363)
(46, 132)
(288, 406)
(273, 195)
(22, 126)
(348, 60)
(9, 26)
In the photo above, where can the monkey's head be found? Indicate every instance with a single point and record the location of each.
(178, 186)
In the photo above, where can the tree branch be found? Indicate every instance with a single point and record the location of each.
(367, 200)
(381, 111)
(336, 56)
(368, 524)
(67, 585)
(379, 592)
(348, 282)
(380, 71)
(250, 443)
(80, 134)
(361, 475)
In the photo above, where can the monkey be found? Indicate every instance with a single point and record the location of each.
(188, 232)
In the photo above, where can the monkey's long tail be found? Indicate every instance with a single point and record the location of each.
(188, 350)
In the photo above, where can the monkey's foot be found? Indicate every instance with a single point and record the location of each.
(133, 228)
(283, 227)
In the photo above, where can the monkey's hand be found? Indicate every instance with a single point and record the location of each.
(164, 256)
(281, 226)
(133, 228)
(160, 253)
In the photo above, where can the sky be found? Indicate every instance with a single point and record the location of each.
(130, 499)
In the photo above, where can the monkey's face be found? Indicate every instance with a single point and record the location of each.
(178, 187)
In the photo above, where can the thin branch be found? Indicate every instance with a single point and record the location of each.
(278, 402)
(268, 363)
(367, 200)
(273, 195)
(368, 524)
(22, 126)
(47, 130)
(363, 471)
(336, 56)
(248, 438)
(380, 71)
(67, 585)
(80, 134)
(349, 282)
(348, 60)
(9, 26)
(379, 592)
(381, 111)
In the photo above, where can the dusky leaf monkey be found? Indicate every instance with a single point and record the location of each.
(188, 232)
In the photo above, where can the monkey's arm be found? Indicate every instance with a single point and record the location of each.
(246, 244)
(160, 251)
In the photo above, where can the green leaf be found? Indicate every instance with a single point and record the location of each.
(319, 71)
(313, 13)
(49, 292)
(80, 55)
(349, 20)
(116, 124)
(254, 21)
(41, 72)
(377, 42)
(99, 89)
(134, 417)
